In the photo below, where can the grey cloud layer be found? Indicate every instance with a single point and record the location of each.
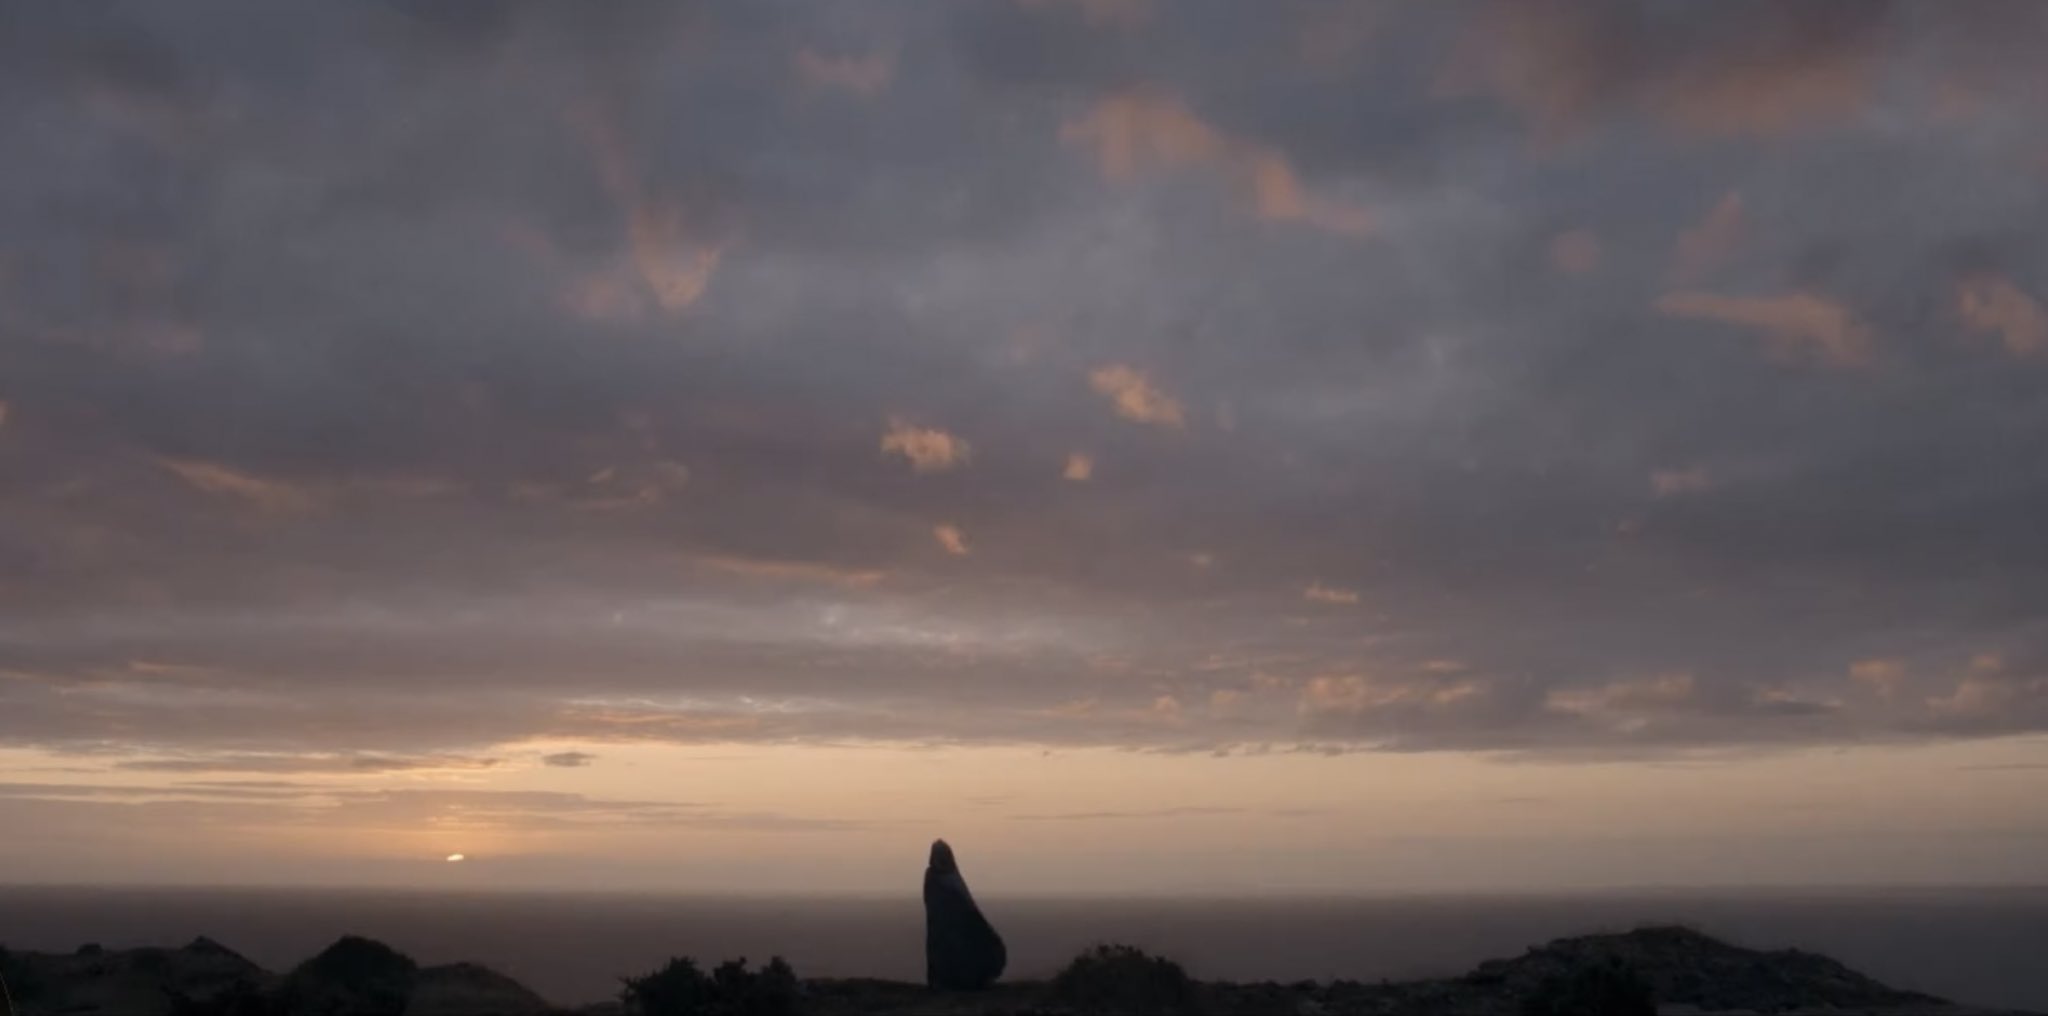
(459, 376)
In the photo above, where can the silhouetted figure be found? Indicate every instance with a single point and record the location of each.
(962, 952)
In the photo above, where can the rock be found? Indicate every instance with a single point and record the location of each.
(1685, 967)
(355, 976)
(466, 989)
(962, 951)
(137, 982)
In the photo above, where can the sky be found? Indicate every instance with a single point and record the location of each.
(1159, 447)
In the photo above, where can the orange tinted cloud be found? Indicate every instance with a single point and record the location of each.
(222, 481)
(1672, 482)
(1976, 696)
(637, 485)
(610, 488)
(1798, 326)
(1080, 465)
(1785, 86)
(1640, 696)
(1138, 132)
(1135, 397)
(673, 269)
(862, 75)
(1777, 68)
(928, 449)
(1319, 593)
(1705, 246)
(605, 296)
(1277, 197)
(951, 538)
(1575, 252)
(1355, 694)
(798, 571)
(1883, 676)
(1994, 304)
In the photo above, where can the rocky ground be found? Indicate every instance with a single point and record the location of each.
(1688, 973)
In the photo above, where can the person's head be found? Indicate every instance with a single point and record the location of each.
(942, 857)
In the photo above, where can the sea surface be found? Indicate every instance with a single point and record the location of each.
(1982, 946)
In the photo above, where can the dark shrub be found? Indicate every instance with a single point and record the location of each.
(1612, 988)
(22, 984)
(238, 999)
(681, 989)
(1125, 979)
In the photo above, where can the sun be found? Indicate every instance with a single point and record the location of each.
(456, 858)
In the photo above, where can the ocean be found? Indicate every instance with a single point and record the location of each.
(1981, 946)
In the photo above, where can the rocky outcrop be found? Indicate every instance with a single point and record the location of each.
(144, 981)
(1685, 967)
(353, 977)
(1689, 973)
(466, 989)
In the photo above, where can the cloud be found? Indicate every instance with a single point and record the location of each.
(1357, 696)
(927, 449)
(1673, 482)
(1228, 702)
(1976, 697)
(1136, 132)
(271, 496)
(357, 809)
(867, 75)
(1706, 246)
(672, 268)
(951, 538)
(1139, 132)
(1797, 326)
(1754, 71)
(1135, 397)
(1575, 252)
(1992, 304)
(1122, 14)
(568, 759)
(611, 487)
(1188, 811)
(1080, 466)
(797, 571)
(1628, 703)
(675, 271)
(307, 763)
(557, 398)
(1885, 677)
(1316, 592)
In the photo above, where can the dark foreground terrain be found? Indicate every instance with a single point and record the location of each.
(1676, 970)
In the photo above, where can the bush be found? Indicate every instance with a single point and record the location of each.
(681, 989)
(238, 999)
(1124, 979)
(23, 985)
(1607, 989)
